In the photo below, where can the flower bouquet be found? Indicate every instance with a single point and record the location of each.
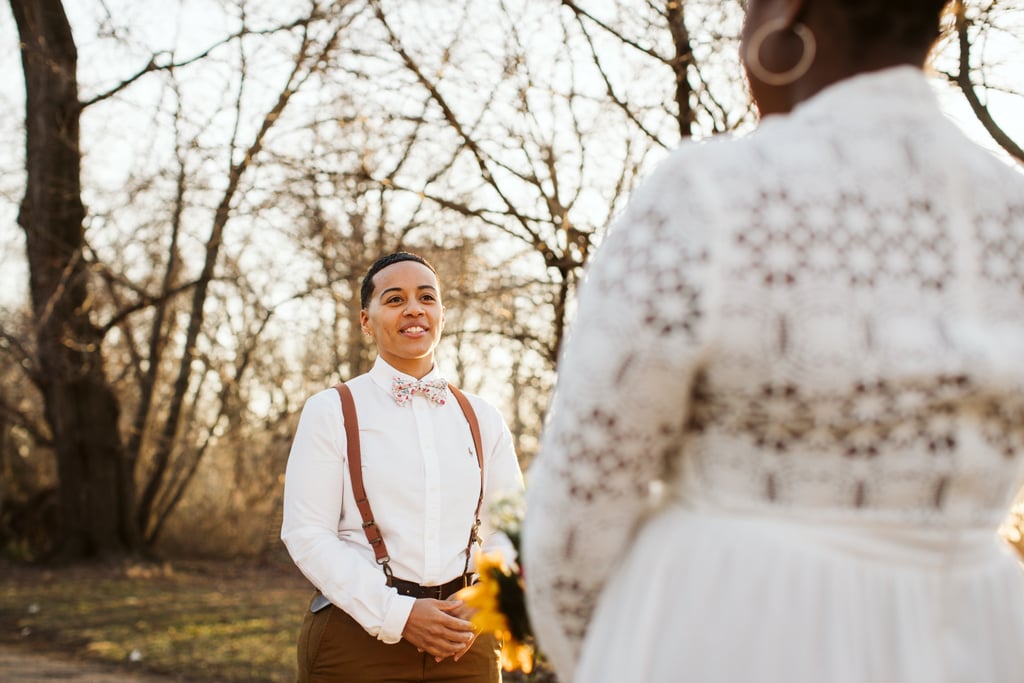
(499, 597)
(1012, 529)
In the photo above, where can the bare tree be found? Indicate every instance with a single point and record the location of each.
(310, 57)
(525, 192)
(82, 411)
(974, 24)
(100, 511)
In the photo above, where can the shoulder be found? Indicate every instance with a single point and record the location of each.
(321, 400)
(694, 164)
(481, 406)
(687, 190)
(366, 395)
(675, 217)
(486, 414)
(323, 404)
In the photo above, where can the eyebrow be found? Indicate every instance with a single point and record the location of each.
(399, 289)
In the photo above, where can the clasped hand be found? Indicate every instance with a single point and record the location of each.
(440, 628)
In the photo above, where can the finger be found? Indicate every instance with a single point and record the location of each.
(442, 652)
(457, 645)
(450, 612)
(449, 605)
(464, 612)
(455, 623)
(448, 642)
(466, 649)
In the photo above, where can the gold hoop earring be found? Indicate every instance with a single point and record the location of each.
(753, 53)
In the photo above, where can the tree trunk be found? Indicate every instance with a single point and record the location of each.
(96, 489)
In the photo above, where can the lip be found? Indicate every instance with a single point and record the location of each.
(411, 331)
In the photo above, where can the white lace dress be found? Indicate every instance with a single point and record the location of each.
(814, 337)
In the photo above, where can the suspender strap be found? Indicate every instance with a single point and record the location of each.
(355, 471)
(474, 428)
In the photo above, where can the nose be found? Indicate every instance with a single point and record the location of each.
(414, 307)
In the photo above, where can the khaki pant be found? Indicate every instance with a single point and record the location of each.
(334, 648)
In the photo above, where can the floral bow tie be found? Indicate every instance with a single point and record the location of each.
(435, 390)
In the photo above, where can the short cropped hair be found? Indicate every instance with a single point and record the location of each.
(366, 291)
(911, 23)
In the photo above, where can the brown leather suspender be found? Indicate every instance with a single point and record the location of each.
(474, 429)
(355, 470)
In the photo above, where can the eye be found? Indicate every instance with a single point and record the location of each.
(394, 300)
(427, 297)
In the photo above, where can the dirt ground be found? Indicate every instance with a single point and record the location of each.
(23, 664)
(195, 621)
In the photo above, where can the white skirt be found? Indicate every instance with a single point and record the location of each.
(711, 598)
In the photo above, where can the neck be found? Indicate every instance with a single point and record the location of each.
(417, 368)
(829, 72)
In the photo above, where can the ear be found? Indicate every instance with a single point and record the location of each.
(364, 322)
(443, 309)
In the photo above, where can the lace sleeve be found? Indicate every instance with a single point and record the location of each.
(619, 407)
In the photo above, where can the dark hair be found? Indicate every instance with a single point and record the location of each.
(366, 291)
(913, 23)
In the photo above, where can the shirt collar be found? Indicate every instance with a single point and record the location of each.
(898, 89)
(383, 374)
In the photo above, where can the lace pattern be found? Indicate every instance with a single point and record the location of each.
(825, 318)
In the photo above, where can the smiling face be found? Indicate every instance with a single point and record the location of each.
(405, 317)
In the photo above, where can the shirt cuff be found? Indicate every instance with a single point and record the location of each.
(395, 616)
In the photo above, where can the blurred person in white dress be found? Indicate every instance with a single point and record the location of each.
(812, 338)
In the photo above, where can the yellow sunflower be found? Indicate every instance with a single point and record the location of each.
(500, 608)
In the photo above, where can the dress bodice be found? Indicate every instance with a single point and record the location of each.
(861, 317)
(837, 301)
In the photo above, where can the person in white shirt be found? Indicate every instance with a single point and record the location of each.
(391, 619)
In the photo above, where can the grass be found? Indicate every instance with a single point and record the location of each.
(197, 621)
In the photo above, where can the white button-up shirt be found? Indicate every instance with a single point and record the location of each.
(422, 480)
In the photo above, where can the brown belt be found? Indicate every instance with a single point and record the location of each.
(441, 592)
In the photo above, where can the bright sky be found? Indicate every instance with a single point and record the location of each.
(1008, 110)
(188, 26)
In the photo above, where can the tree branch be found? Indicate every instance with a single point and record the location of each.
(146, 301)
(29, 363)
(581, 13)
(609, 88)
(963, 79)
(19, 419)
(306, 64)
(152, 66)
(450, 117)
